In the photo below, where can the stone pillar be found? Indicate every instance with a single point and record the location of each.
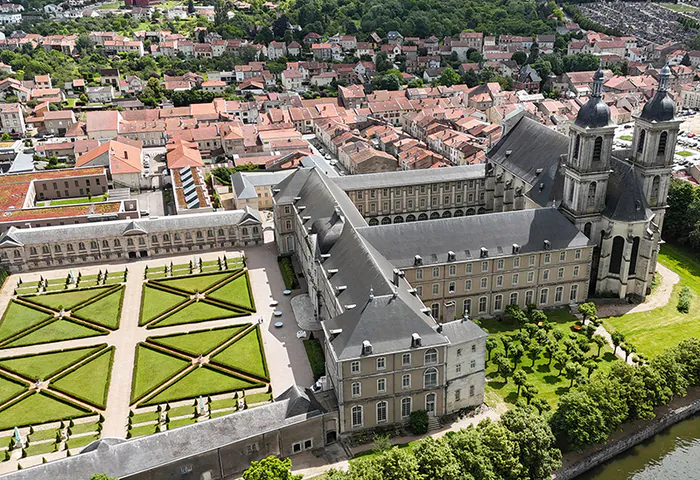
(449, 310)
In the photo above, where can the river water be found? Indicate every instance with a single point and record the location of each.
(671, 455)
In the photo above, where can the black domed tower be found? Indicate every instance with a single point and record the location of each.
(587, 166)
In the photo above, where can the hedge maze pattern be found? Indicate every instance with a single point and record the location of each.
(196, 298)
(207, 362)
(58, 316)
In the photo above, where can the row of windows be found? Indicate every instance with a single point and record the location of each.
(513, 298)
(430, 380)
(357, 412)
(435, 188)
(430, 357)
(65, 184)
(500, 264)
(434, 202)
(515, 279)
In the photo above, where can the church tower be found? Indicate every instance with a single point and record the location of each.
(653, 147)
(587, 166)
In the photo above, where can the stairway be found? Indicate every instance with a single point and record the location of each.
(433, 423)
(119, 194)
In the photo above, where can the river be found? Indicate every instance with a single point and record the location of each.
(673, 455)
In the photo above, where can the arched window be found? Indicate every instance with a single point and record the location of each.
(166, 237)
(398, 219)
(105, 244)
(382, 408)
(57, 248)
(220, 232)
(93, 245)
(406, 407)
(81, 246)
(616, 256)
(45, 250)
(373, 222)
(32, 251)
(663, 138)
(431, 356)
(17, 254)
(357, 416)
(386, 221)
(430, 378)
(498, 302)
(199, 235)
(597, 149)
(577, 145)
(654, 195)
(513, 298)
(210, 233)
(587, 229)
(640, 144)
(117, 243)
(255, 230)
(590, 201)
(633, 256)
(69, 247)
(245, 231)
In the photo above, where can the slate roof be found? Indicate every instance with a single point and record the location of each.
(122, 458)
(625, 200)
(244, 183)
(410, 177)
(465, 236)
(457, 330)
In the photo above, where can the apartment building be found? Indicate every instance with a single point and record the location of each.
(410, 195)
(12, 119)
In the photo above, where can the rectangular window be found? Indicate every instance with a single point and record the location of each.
(562, 256)
(381, 412)
(406, 381)
(545, 274)
(436, 272)
(472, 364)
(547, 258)
(515, 279)
(559, 294)
(543, 296)
(532, 260)
(381, 363)
(499, 281)
(471, 390)
(577, 254)
(419, 274)
(381, 385)
(528, 297)
(419, 290)
(483, 304)
(500, 264)
(468, 268)
(498, 303)
(458, 368)
(560, 273)
(484, 266)
(405, 408)
(483, 282)
(530, 277)
(452, 270)
(356, 389)
(355, 367)
(406, 359)
(574, 293)
(436, 288)
(467, 285)
(359, 195)
(451, 287)
(397, 205)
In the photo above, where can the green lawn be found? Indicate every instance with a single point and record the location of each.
(198, 312)
(142, 430)
(90, 382)
(245, 355)
(258, 398)
(195, 283)
(68, 299)
(40, 449)
(200, 381)
(156, 302)
(626, 137)
(55, 332)
(36, 409)
(110, 6)
(680, 7)
(105, 311)
(45, 365)
(235, 292)
(542, 376)
(653, 331)
(144, 417)
(223, 403)
(181, 411)
(75, 201)
(221, 413)
(9, 389)
(43, 435)
(87, 427)
(153, 368)
(181, 422)
(198, 343)
(83, 441)
(684, 153)
(18, 318)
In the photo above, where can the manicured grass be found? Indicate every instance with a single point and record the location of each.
(105, 311)
(181, 422)
(221, 413)
(36, 409)
(43, 435)
(653, 331)
(55, 332)
(40, 449)
(258, 398)
(684, 153)
(156, 302)
(144, 417)
(142, 430)
(75, 201)
(83, 441)
(626, 137)
(195, 283)
(9, 389)
(235, 292)
(680, 7)
(67, 299)
(181, 411)
(87, 427)
(153, 368)
(223, 403)
(317, 360)
(90, 382)
(200, 381)
(198, 343)
(245, 355)
(542, 376)
(45, 365)
(18, 318)
(198, 312)
(110, 6)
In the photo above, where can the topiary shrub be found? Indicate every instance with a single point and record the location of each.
(684, 300)
(419, 422)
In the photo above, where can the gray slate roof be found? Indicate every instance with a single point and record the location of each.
(459, 330)
(147, 225)
(433, 239)
(625, 199)
(410, 177)
(120, 458)
(244, 183)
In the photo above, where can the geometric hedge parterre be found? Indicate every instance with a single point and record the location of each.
(196, 298)
(74, 383)
(207, 362)
(35, 319)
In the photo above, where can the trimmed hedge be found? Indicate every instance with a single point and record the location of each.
(316, 357)
(684, 299)
(287, 271)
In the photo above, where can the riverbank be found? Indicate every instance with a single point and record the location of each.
(629, 435)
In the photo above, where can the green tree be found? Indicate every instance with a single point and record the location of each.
(436, 460)
(449, 77)
(529, 392)
(519, 379)
(550, 348)
(537, 450)
(541, 405)
(572, 369)
(471, 454)
(590, 365)
(534, 53)
(516, 354)
(578, 421)
(190, 7)
(502, 449)
(271, 468)
(382, 62)
(617, 339)
(519, 57)
(600, 342)
(561, 357)
(491, 344)
(101, 476)
(396, 463)
(5, 137)
(533, 353)
(221, 9)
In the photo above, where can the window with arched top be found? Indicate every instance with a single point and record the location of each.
(166, 237)
(640, 144)
(618, 247)
(633, 256)
(663, 139)
(590, 200)
(431, 356)
(57, 248)
(81, 246)
(430, 378)
(105, 244)
(577, 146)
(357, 416)
(32, 251)
(199, 235)
(597, 149)
(45, 250)
(654, 194)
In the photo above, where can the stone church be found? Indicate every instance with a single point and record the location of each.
(617, 198)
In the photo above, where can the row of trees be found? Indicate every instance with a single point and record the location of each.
(682, 222)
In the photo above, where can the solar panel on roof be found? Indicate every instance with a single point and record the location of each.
(193, 204)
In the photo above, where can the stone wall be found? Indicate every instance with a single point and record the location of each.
(619, 445)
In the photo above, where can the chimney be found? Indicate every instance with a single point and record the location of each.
(340, 289)
(397, 275)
